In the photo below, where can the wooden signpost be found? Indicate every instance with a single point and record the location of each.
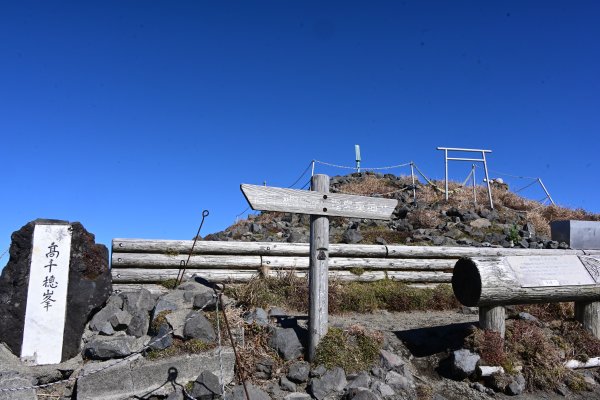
(320, 205)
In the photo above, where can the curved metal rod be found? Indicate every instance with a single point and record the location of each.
(181, 272)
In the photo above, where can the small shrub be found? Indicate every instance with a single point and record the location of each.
(549, 312)
(169, 283)
(540, 357)
(513, 234)
(489, 345)
(423, 218)
(159, 320)
(577, 342)
(354, 349)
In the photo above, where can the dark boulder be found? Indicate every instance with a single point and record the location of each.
(89, 286)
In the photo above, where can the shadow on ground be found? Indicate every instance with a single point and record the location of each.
(424, 342)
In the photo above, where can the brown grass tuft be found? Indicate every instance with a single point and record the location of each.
(541, 359)
(369, 185)
(423, 218)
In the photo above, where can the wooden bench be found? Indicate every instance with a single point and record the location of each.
(491, 283)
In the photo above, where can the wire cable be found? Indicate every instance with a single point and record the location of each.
(300, 177)
(526, 186)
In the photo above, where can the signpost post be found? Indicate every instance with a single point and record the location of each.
(320, 205)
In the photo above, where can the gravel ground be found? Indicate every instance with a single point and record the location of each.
(424, 338)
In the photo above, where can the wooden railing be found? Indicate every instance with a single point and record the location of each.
(138, 262)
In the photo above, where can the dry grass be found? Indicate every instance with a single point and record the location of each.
(541, 358)
(577, 343)
(424, 218)
(355, 349)
(370, 235)
(286, 290)
(369, 185)
(291, 292)
(541, 351)
(549, 312)
(489, 345)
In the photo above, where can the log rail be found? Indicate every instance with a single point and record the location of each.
(147, 262)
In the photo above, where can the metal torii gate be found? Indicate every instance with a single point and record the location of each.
(320, 205)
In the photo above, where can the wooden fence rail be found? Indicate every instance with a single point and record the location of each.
(148, 262)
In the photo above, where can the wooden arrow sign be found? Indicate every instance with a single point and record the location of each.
(320, 204)
(263, 198)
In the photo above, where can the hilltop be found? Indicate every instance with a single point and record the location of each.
(427, 219)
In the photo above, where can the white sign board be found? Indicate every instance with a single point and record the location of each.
(539, 271)
(265, 198)
(47, 295)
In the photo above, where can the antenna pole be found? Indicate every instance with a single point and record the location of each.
(357, 153)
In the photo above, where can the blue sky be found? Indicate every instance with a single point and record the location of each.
(132, 117)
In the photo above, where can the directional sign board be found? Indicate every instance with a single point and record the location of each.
(319, 204)
(265, 198)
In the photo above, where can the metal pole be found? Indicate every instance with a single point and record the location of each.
(312, 172)
(547, 194)
(474, 191)
(357, 153)
(412, 174)
(487, 180)
(446, 165)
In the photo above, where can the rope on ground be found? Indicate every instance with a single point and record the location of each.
(116, 362)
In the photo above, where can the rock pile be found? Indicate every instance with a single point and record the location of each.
(423, 222)
(137, 345)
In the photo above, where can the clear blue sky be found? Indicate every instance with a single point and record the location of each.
(134, 116)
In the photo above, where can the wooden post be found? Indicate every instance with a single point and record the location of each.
(588, 313)
(320, 205)
(319, 271)
(493, 319)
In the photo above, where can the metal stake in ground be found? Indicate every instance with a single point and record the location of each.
(320, 205)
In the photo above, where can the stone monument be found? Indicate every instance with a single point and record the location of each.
(55, 279)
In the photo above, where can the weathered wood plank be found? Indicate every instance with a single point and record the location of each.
(134, 287)
(265, 198)
(144, 276)
(400, 276)
(366, 263)
(142, 260)
(182, 247)
(492, 282)
(459, 252)
(131, 275)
